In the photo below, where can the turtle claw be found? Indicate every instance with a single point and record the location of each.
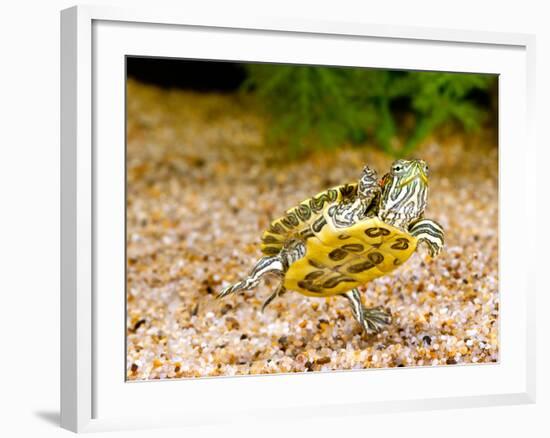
(435, 250)
(375, 319)
(246, 284)
(225, 291)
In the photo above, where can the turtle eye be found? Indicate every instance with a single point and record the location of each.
(397, 168)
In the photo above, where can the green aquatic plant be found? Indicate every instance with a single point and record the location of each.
(313, 107)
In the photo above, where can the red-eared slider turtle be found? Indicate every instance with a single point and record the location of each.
(347, 236)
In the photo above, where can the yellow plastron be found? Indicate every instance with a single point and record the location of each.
(339, 259)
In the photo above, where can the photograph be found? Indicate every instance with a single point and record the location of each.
(285, 218)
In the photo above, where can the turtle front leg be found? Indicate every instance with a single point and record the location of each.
(373, 319)
(429, 233)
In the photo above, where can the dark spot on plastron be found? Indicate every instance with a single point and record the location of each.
(308, 285)
(375, 257)
(335, 281)
(401, 243)
(337, 254)
(360, 267)
(315, 264)
(353, 247)
(377, 232)
(313, 275)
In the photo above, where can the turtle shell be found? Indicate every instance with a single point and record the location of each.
(304, 220)
(339, 259)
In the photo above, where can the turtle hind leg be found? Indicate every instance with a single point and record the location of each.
(266, 265)
(279, 291)
(274, 265)
(373, 319)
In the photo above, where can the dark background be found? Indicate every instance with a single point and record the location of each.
(187, 74)
(205, 75)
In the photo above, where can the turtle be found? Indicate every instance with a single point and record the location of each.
(346, 236)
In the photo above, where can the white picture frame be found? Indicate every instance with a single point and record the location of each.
(94, 42)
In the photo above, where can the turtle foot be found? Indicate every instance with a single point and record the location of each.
(231, 289)
(375, 319)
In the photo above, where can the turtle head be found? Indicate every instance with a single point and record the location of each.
(404, 192)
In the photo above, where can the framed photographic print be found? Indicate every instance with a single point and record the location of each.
(260, 216)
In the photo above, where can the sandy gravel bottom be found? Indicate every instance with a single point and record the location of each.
(202, 188)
